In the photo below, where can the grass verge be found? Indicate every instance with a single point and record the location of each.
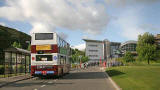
(136, 77)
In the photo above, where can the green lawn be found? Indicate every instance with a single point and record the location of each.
(136, 77)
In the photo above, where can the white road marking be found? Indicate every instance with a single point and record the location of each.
(112, 82)
(44, 81)
(35, 89)
(50, 82)
(43, 85)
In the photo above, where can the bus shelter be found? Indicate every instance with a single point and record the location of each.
(17, 61)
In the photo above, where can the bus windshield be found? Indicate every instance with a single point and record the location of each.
(43, 36)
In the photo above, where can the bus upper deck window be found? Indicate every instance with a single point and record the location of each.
(44, 36)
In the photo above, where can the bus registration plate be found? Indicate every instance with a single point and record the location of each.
(43, 47)
(44, 59)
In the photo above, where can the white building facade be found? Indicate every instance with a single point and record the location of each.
(94, 50)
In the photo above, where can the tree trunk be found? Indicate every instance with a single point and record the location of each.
(148, 61)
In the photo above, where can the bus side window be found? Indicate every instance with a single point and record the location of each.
(61, 60)
(65, 59)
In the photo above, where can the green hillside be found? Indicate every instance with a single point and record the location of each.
(9, 35)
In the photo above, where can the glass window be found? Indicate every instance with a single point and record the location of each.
(93, 50)
(43, 57)
(61, 60)
(43, 36)
(93, 45)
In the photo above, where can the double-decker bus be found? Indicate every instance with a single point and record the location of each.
(49, 55)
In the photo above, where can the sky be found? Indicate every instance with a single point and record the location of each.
(74, 20)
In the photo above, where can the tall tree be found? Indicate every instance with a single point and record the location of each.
(128, 57)
(145, 47)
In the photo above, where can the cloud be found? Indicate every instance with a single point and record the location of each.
(80, 47)
(46, 15)
(149, 27)
(124, 3)
(3, 24)
(129, 22)
(88, 36)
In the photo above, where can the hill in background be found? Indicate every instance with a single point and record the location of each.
(10, 35)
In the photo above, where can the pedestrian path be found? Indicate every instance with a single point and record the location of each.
(7, 80)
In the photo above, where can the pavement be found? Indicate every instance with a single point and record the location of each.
(8, 80)
(91, 78)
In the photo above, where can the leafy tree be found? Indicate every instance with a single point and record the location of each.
(19, 45)
(128, 57)
(16, 45)
(29, 47)
(84, 59)
(145, 47)
(76, 56)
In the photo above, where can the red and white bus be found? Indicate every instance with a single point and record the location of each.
(49, 55)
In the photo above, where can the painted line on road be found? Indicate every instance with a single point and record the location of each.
(35, 89)
(43, 85)
(50, 82)
(113, 83)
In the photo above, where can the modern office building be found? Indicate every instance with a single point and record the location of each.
(107, 49)
(110, 49)
(101, 50)
(114, 46)
(94, 50)
(129, 46)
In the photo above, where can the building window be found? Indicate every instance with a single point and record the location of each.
(92, 45)
(93, 55)
(93, 50)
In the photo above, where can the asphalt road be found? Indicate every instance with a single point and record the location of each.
(87, 79)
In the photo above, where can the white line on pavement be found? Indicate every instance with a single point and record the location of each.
(35, 89)
(113, 83)
(50, 82)
(43, 85)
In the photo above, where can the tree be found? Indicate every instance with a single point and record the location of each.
(76, 56)
(145, 47)
(19, 45)
(128, 57)
(84, 59)
(16, 45)
(29, 47)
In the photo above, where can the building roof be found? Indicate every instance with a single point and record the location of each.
(115, 43)
(17, 50)
(89, 40)
(128, 42)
